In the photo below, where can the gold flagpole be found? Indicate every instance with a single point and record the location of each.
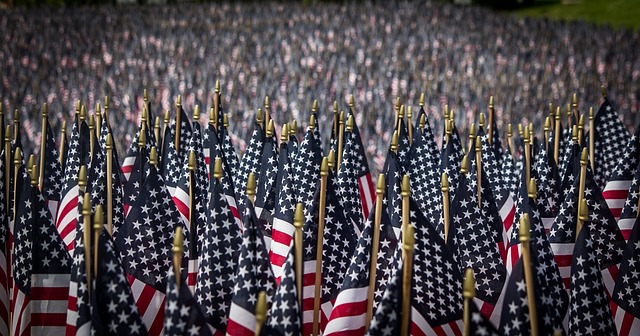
(580, 129)
(468, 293)
(63, 139)
(16, 124)
(267, 111)
(479, 169)
(251, 187)
(106, 111)
(261, 311)
(97, 228)
(547, 126)
(177, 250)
(109, 146)
(527, 156)
(592, 145)
(397, 110)
(191, 165)
(444, 187)
(298, 222)
(86, 237)
(340, 136)
(7, 166)
(574, 106)
(324, 173)
(408, 241)
(405, 192)
(490, 125)
(410, 124)
(373, 263)
(98, 116)
(92, 132)
(472, 137)
(528, 273)
(423, 122)
(331, 159)
(556, 137)
(581, 186)
(335, 118)
(481, 124)
(17, 161)
(43, 142)
(583, 215)
(142, 142)
(551, 117)
(156, 130)
(178, 122)
(510, 141)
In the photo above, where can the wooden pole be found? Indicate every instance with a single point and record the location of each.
(583, 181)
(528, 273)
(556, 137)
(373, 262)
(109, 146)
(178, 122)
(527, 156)
(592, 145)
(468, 293)
(261, 311)
(444, 187)
(177, 250)
(490, 126)
(580, 129)
(324, 173)
(479, 169)
(472, 137)
(106, 111)
(43, 143)
(298, 222)
(267, 111)
(335, 118)
(86, 237)
(400, 118)
(547, 129)
(191, 165)
(17, 161)
(408, 241)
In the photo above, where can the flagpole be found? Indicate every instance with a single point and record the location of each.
(251, 187)
(30, 163)
(581, 186)
(528, 273)
(178, 123)
(373, 263)
(177, 250)
(7, 166)
(481, 124)
(98, 224)
(17, 161)
(527, 156)
(191, 165)
(92, 133)
(63, 139)
(400, 118)
(547, 125)
(98, 117)
(510, 141)
(397, 114)
(447, 132)
(574, 105)
(408, 241)
(468, 293)
(86, 235)
(109, 146)
(267, 112)
(293, 128)
(479, 169)
(324, 173)
(216, 109)
(580, 129)
(490, 125)
(410, 124)
(156, 130)
(261, 311)
(472, 137)
(142, 142)
(556, 136)
(331, 159)
(340, 137)
(43, 142)
(16, 124)
(298, 222)
(335, 118)
(444, 187)
(106, 111)
(592, 139)
(166, 119)
(583, 215)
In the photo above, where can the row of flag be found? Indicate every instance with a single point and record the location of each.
(538, 237)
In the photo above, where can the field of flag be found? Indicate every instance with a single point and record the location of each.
(514, 231)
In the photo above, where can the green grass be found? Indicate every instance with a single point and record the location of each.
(617, 13)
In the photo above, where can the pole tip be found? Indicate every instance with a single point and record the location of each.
(423, 120)
(142, 137)
(298, 218)
(167, 117)
(153, 156)
(106, 102)
(406, 186)
(7, 131)
(409, 113)
(293, 129)
(335, 107)
(464, 165)
(34, 175)
(196, 113)
(266, 102)
(509, 130)
(312, 121)
(45, 110)
(469, 284)
(217, 168)
(591, 114)
(444, 182)
(524, 234)
(351, 102)
(422, 99)
(490, 102)
(284, 134)
(17, 156)
(191, 165)
(179, 101)
(259, 116)
(86, 205)
(584, 157)
(380, 185)
(270, 129)
(145, 97)
(574, 133)
(532, 190)
(314, 106)
(481, 119)
(82, 176)
(478, 144)
(217, 88)
(397, 103)
(603, 91)
(472, 131)
(178, 242)
(547, 124)
(331, 159)
(349, 127)
(261, 307)
(251, 184)
(324, 167)
(394, 141)
(98, 218)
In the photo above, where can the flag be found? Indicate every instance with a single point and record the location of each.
(617, 187)
(172, 157)
(266, 182)
(219, 247)
(284, 317)
(547, 179)
(589, 311)
(52, 173)
(306, 168)
(5, 250)
(128, 165)
(41, 266)
(145, 242)
(387, 317)
(630, 208)
(450, 159)
(610, 136)
(511, 174)
(230, 155)
(366, 186)
(625, 298)
(251, 159)
(182, 313)
(114, 310)
(253, 275)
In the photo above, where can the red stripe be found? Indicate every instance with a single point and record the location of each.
(127, 169)
(616, 212)
(349, 309)
(50, 293)
(416, 330)
(236, 329)
(281, 237)
(614, 194)
(487, 309)
(158, 321)
(182, 208)
(235, 213)
(191, 278)
(145, 298)
(49, 320)
(67, 207)
(508, 221)
(627, 322)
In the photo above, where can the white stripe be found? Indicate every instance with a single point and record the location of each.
(171, 190)
(562, 248)
(617, 185)
(619, 317)
(345, 323)
(53, 208)
(49, 306)
(129, 161)
(368, 195)
(505, 210)
(53, 331)
(420, 322)
(616, 203)
(154, 305)
(24, 311)
(242, 317)
(51, 280)
(626, 224)
(547, 222)
(497, 310)
(609, 281)
(267, 242)
(326, 308)
(352, 295)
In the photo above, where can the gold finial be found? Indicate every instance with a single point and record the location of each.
(574, 101)
(217, 88)
(106, 102)
(82, 177)
(532, 191)
(86, 205)
(98, 110)
(452, 116)
(8, 135)
(98, 218)
(583, 210)
(446, 112)
(30, 162)
(603, 91)
(335, 107)
(547, 124)
(524, 228)
(469, 285)
(523, 134)
(145, 97)
(34, 175)
(521, 130)
(531, 136)
(314, 106)
(298, 217)
(312, 122)
(557, 114)
(380, 186)
(394, 142)
(17, 157)
(212, 117)
(351, 102)
(341, 119)
(178, 243)
(574, 133)
(406, 186)
(16, 116)
(191, 165)
(401, 113)
(478, 144)
(331, 159)
(581, 123)
(422, 99)
(217, 168)
(481, 120)
(196, 113)
(448, 127)
(153, 156)
(167, 117)
(142, 137)
(464, 166)
(225, 120)
(324, 167)
(266, 103)
(423, 120)
(551, 111)
(397, 104)
(444, 182)
(108, 141)
(569, 112)
(270, 129)
(408, 238)
(251, 185)
(349, 127)
(78, 104)
(284, 134)
(509, 130)
(259, 117)
(472, 131)
(409, 112)
(591, 115)
(584, 157)
(156, 124)
(92, 123)
(45, 110)
(293, 129)
(261, 310)
(179, 101)
(490, 102)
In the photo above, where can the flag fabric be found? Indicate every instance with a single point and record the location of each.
(284, 317)
(548, 181)
(616, 190)
(306, 168)
(387, 317)
(250, 162)
(219, 247)
(114, 310)
(172, 157)
(5, 251)
(284, 210)
(145, 242)
(366, 186)
(230, 155)
(610, 136)
(450, 159)
(182, 313)
(589, 311)
(41, 266)
(511, 174)
(128, 165)
(252, 276)
(134, 170)
(625, 298)
(52, 173)
(630, 208)
(265, 184)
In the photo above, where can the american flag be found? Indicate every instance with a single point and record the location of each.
(172, 157)
(145, 242)
(589, 311)
(306, 168)
(630, 208)
(114, 310)
(250, 162)
(474, 240)
(283, 229)
(625, 300)
(221, 240)
(350, 307)
(393, 190)
(546, 175)
(230, 155)
(317, 137)
(68, 208)
(252, 276)
(41, 266)
(510, 175)
(182, 313)
(450, 159)
(134, 173)
(265, 197)
(284, 317)
(564, 151)
(52, 173)
(387, 316)
(610, 137)
(129, 164)
(5, 250)
(292, 144)
(79, 304)
(616, 190)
